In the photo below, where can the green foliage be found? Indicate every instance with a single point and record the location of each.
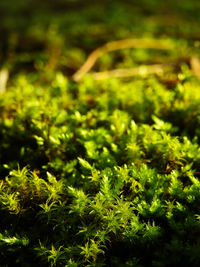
(99, 173)
(106, 184)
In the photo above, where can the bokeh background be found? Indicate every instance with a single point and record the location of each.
(40, 36)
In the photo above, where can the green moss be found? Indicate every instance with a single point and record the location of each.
(99, 173)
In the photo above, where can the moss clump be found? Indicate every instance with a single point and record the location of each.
(99, 173)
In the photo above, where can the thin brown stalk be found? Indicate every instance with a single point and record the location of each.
(195, 66)
(4, 75)
(117, 45)
(123, 73)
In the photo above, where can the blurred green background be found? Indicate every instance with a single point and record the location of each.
(41, 36)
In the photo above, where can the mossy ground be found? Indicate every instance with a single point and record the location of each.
(99, 173)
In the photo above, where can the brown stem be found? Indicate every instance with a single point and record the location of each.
(137, 71)
(121, 44)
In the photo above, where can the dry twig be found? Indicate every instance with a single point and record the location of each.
(4, 74)
(195, 66)
(117, 45)
(137, 71)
